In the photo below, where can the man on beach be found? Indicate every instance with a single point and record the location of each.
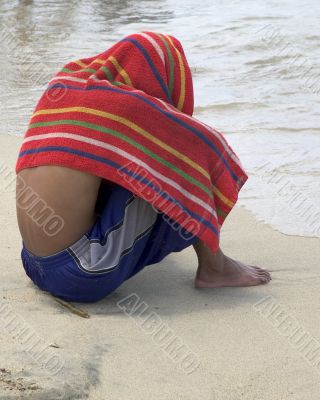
(113, 149)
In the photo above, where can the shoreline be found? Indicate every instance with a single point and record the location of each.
(243, 337)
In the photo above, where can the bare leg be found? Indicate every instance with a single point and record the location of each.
(70, 194)
(218, 270)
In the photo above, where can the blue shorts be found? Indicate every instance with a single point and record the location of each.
(128, 235)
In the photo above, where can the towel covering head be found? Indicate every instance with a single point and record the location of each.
(153, 63)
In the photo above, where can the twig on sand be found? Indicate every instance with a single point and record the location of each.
(56, 346)
(73, 309)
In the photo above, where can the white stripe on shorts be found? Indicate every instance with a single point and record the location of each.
(94, 256)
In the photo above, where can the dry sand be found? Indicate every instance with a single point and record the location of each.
(245, 350)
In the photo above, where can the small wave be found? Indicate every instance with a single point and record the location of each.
(309, 173)
(295, 130)
(228, 106)
(313, 37)
(251, 47)
(197, 70)
(264, 18)
(209, 46)
(232, 28)
(267, 61)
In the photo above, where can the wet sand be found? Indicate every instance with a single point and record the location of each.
(226, 344)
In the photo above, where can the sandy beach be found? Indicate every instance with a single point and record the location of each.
(159, 338)
(256, 79)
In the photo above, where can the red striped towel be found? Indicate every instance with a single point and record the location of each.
(126, 115)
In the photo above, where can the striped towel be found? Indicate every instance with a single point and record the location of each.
(125, 115)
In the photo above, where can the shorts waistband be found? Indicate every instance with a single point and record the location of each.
(53, 260)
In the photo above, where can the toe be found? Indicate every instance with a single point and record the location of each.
(263, 272)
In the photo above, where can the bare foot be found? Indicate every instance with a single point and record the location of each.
(218, 270)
